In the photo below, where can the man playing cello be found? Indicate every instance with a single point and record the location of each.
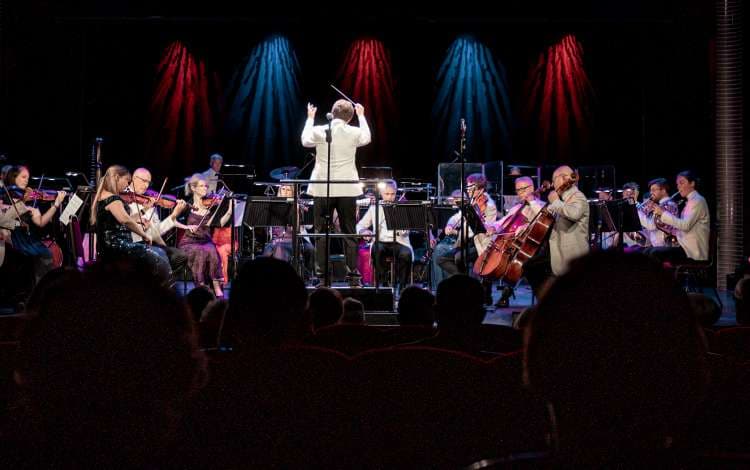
(517, 219)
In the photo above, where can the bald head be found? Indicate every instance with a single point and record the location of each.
(525, 180)
(141, 180)
(561, 175)
(562, 170)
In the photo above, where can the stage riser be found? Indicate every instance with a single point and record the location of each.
(374, 301)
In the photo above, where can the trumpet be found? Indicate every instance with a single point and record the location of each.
(647, 205)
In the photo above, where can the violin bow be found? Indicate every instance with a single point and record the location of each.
(131, 189)
(223, 195)
(38, 190)
(161, 191)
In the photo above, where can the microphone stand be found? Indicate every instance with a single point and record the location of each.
(463, 236)
(298, 258)
(327, 276)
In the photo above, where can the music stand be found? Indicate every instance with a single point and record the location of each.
(438, 216)
(613, 216)
(268, 212)
(405, 216)
(472, 219)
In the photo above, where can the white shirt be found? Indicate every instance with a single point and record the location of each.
(529, 211)
(656, 237)
(694, 226)
(384, 234)
(157, 227)
(344, 142)
(212, 179)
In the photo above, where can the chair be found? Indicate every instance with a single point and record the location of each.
(692, 274)
(389, 260)
(433, 408)
(734, 342)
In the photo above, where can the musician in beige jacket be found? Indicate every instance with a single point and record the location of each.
(570, 234)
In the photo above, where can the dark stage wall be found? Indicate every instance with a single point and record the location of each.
(631, 89)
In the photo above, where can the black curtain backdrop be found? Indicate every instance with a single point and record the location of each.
(72, 74)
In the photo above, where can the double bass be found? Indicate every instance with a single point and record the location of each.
(506, 255)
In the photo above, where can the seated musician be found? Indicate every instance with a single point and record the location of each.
(485, 206)
(659, 188)
(280, 246)
(197, 243)
(391, 243)
(29, 242)
(15, 268)
(441, 246)
(569, 235)
(515, 221)
(114, 225)
(148, 217)
(693, 224)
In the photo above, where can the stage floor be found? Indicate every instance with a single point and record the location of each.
(504, 316)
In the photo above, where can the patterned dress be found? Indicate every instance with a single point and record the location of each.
(203, 258)
(114, 240)
(29, 243)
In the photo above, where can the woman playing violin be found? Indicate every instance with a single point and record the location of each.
(197, 243)
(114, 226)
(29, 242)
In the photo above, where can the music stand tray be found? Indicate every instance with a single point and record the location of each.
(268, 212)
(438, 216)
(472, 219)
(405, 216)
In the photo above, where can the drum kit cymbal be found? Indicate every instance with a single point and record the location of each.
(285, 173)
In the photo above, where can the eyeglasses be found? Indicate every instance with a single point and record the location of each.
(561, 175)
(522, 189)
(144, 180)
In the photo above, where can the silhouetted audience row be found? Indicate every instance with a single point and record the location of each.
(614, 372)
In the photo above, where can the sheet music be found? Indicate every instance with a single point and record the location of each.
(74, 204)
(239, 213)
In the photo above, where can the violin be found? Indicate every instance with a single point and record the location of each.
(211, 200)
(480, 203)
(29, 194)
(39, 195)
(167, 201)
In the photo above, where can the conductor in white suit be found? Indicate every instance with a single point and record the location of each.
(390, 242)
(344, 142)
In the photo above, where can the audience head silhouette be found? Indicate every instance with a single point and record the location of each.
(269, 301)
(104, 366)
(459, 303)
(326, 306)
(416, 306)
(616, 351)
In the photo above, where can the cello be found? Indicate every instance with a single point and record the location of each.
(506, 255)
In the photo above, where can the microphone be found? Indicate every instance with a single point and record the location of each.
(462, 125)
(329, 116)
(234, 165)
